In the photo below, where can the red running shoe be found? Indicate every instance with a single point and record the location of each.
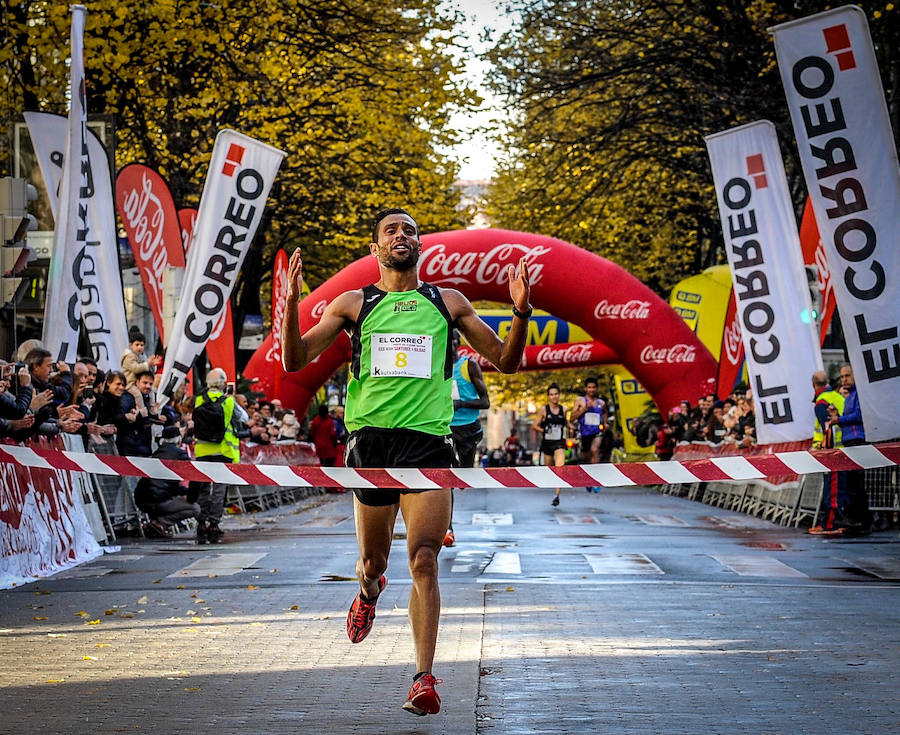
(449, 538)
(361, 615)
(423, 698)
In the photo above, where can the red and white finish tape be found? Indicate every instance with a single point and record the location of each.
(600, 475)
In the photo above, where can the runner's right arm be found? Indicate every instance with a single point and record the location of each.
(297, 350)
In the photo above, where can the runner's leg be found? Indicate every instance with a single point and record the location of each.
(426, 515)
(374, 531)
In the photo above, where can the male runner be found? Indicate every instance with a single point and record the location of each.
(398, 411)
(590, 413)
(470, 395)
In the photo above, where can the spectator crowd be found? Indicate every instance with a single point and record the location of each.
(117, 412)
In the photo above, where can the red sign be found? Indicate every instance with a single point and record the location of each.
(147, 212)
(814, 255)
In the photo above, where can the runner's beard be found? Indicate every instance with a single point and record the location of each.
(401, 264)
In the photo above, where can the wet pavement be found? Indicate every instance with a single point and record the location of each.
(624, 611)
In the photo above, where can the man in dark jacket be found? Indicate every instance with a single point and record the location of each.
(133, 425)
(163, 500)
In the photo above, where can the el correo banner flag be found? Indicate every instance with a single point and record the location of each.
(770, 287)
(220, 347)
(849, 160)
(241, 173)
(72, 236)
(102, 307)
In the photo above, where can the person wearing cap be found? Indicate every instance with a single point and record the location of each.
(164, 500)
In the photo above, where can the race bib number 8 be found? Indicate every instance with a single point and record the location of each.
(401, 355)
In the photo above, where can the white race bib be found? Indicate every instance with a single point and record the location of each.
(553, 433)
(401, 355)
(454, 391)
(592, 419)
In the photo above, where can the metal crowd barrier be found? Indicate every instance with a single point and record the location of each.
(792, 503)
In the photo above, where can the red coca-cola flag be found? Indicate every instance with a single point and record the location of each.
(147, 212)
(814, 255)
(279, 296)
(220, 348)
(731, 354)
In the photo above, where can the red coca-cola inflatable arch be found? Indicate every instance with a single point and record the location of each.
(631, 324)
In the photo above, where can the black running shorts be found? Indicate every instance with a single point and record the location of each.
(374, 447)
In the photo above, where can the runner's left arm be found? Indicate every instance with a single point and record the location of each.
(477, 378)
(505, 354)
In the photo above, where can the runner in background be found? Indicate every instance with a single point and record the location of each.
(590, 414)
(469, 397)
(551, 423)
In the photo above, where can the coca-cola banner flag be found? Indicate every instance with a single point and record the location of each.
(187, 218)
(731, 355)
(101, 306)
(148, 214)
(279, 297)
(626, 319)
(241, 173)
(763, 248)
(849, 160)
(816, 261)
(220, 348)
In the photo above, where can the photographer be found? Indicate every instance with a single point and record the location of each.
(15, 407)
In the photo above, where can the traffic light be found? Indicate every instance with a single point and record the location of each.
(15, 223)
(815, 296)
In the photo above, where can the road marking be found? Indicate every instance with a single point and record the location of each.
(504, 562)
(492, 519)
(883, 569)
(752, 565)
(83, 573)
(622, 564)
(658, 520)
(220, 565)
(569, 518)
(325, 521)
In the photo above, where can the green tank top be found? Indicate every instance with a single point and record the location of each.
(401, 368)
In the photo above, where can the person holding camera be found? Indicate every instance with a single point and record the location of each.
(164, 500)
(15, 405)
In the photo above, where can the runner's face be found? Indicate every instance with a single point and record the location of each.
(553, 396)
(398, 245)
(591, 390)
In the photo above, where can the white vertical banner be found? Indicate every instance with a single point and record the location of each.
(770, 286)
(102, 306)
(62, 312)
(849, 160)
(241, 173)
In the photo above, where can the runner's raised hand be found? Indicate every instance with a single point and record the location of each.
(295, 276)
(519, 286)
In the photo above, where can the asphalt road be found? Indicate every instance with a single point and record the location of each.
(623, 611)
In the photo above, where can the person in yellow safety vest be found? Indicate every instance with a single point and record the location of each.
(825, 395)
(209, 426)
(834, 491)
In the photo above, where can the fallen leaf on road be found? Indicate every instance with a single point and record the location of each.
(156, 581)
(252, 587)
(92, 622)
(180, 587)
(192, 689)
(40, 617)
(90, 658)
(111, 612)
(295, 607)
(510, 589)
(142, 600)
(81, 614)
(56, 635)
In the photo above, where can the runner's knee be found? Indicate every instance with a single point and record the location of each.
(423, 562)
(374, 566)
